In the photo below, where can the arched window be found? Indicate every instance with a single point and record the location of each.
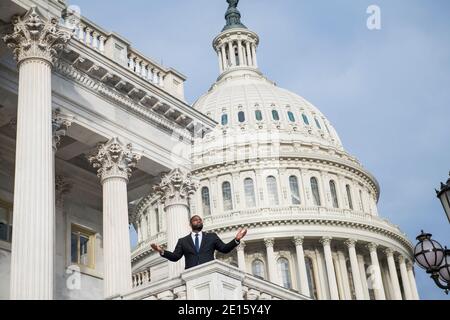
(315, 191)
(349, 197)
(258, 269)
(275, 115)
(241, 116)
(317, 123)
(272, 190)
(295, 192)
(227, 197)
(334, 194)
(291, 116)
(206, 204)
(285, 273)
(249, 189)
(310, 276)
(258, 115)
(305, 119)
(224, 120)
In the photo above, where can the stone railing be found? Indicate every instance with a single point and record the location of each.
(212, 281)
(119, 50)
(141, 278)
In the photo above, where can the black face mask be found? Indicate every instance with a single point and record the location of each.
(197, 227)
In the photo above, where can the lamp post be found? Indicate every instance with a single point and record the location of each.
(430, 256)
(444, 196)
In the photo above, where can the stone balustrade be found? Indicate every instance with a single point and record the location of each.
(141, 278)
(215, 280)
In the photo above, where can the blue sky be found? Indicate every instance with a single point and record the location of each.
(386, 92)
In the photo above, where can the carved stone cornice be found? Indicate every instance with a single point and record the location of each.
(35, 37)
(176, 187)
(114, 159)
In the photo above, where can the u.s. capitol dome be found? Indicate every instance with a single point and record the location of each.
(275, 165)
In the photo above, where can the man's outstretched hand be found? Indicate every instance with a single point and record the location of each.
(157, 248)
(241, 233)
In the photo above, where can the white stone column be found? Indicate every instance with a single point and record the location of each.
(405, 278)
(175, 190)
(375, 270)
(232, 53)
(219, 56)
(304, 285)
(393, 274)
(273, 274)
(240, 55)
(114, 161)
(255, 60)
(412, 281)
(326, 241)
(34, 42)
(249, 54)
(224, 57)
(359, 293)
(241, 256)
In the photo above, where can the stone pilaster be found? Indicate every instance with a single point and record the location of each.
(35, 42)
(273, 274)
(114, 161)
(241, 256)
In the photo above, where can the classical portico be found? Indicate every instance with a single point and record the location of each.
(75, 112)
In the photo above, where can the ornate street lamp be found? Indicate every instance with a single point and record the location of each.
(444, 196)
(430, 256)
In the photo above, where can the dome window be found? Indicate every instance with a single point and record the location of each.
(272, 190)
(334, 194)
(241, 116)
(206, 204)
(305, 119)
(291, 116)
(258, 115)
(275, 115)
(249, 188)
(295, 192)
(224, 120)
(227, 197)
(318, 123)
(349, 197)
(315, 191)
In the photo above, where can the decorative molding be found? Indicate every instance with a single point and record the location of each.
(114, 159)
(298, 241)
(35, 37)
(176, 187)
(351, 243)
(269, 242)
(60, 125)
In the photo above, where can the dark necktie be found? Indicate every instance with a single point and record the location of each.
(197, 243)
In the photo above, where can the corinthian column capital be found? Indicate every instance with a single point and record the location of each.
(60, 124)
(34, 36)
(114, 160)
(176, 187)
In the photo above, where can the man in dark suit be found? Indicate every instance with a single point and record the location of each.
(198, 247)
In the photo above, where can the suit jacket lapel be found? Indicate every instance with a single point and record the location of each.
(204, 235)
(191, 241)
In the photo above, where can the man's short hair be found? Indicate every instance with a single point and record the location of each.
(196, 216)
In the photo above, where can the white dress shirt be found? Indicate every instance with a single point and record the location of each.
(200, 237)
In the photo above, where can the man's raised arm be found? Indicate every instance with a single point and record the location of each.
(174, 256)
